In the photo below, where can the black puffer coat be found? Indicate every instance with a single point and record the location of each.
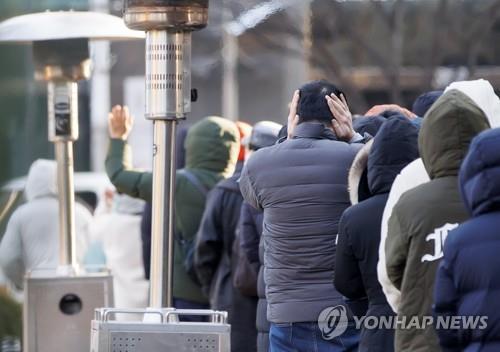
(359, 233)
(214, 262)
(250, 230)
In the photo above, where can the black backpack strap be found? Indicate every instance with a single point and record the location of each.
(194, 181)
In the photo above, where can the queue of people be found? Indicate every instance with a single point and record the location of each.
(302, 232)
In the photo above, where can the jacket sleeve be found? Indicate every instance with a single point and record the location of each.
(249, 236)
(247, 188)
(209, 240)
(135, 183)
(396, 250)
(347, 276)
(11, 249)
(445, 302)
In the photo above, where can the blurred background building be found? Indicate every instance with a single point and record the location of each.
(250, 59)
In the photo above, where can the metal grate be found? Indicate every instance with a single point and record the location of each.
(125, 344)
(163, 56)
(191, 342)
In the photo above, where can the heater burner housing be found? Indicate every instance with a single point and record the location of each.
(179, 15)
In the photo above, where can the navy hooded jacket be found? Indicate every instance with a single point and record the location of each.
(393, 148)
(467, 282)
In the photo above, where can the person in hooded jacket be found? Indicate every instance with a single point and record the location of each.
(214, 257)
(395, 145)
(31, 240)
(483, 94)
(425, 215)
(467, 282)
(212, 147)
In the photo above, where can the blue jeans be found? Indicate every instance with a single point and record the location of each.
(307, 337)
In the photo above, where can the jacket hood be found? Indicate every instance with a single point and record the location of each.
(357, 180)
(213, 144)
(447, 130)
(424, 102)
(42, 179)
(480, 173)
(394, 147)
(368, 124)
(482, 93)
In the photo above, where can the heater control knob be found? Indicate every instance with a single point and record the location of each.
(181, 15)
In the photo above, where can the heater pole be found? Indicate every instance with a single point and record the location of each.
(166, 77)
(168, 25)
(163, 220)
(63, 131)
(64, 157)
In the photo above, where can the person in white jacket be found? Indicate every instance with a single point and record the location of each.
(31, 240)
(414, 174)
(119, 233)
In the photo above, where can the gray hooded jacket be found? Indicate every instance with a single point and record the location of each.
(31, 240)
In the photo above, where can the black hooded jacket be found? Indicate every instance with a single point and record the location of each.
(392, 149)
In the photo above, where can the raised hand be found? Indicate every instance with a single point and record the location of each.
(120, 122)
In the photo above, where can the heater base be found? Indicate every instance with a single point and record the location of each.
(166, 334)
(58, 311)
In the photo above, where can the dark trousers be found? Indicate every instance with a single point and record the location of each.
(180, 303)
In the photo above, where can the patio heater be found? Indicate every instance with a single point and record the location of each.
(168, 25)
(59, 304)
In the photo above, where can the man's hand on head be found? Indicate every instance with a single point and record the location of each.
(293, 118)
(120, 122)
(342, 121)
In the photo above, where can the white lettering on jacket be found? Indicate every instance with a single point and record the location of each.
(438, 236)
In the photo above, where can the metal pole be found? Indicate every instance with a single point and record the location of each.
(162, 238)
(63, 130)
(167, 56)
(66, 196)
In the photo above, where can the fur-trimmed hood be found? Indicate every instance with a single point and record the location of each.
(379, 162)
(358, 181)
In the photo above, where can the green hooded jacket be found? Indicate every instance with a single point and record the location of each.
(423, 216)
(212, 147)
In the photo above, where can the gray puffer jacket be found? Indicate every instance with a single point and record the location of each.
(301, 184)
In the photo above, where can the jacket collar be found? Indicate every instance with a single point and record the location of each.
(313, 130)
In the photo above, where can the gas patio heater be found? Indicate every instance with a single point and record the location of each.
(168, 25)
(59, 304)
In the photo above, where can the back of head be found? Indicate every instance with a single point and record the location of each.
(394, 147)
(42, 179)
(368, 124)
(213, 144)
(312, 102)
(424, 102)
(447, 130)
(480, 172)
(264, 134)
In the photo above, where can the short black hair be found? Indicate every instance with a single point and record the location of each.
(312, 102)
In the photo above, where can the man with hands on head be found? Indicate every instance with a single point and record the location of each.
(301, 186)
